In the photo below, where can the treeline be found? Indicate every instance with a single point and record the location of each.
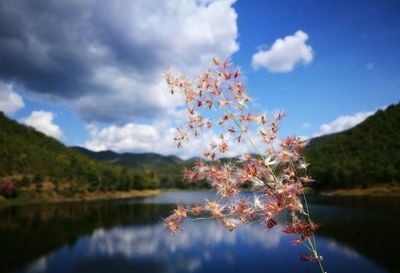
(30, 159)
(363, 156)
(165, 171)
(66, 224)
(366, 155)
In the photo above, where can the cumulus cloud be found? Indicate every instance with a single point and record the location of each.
(129, 137)
(106, 58)
(151, 240)
(155, 137)
(43, 122)
(10, 101)
(343, 122)
(284, 54)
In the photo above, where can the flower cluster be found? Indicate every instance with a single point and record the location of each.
(276, 171)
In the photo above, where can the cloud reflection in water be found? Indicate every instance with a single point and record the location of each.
(188, 250)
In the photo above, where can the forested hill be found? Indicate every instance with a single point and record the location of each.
(167, 171)
(367, 154)
(139, 161)
(30, 159)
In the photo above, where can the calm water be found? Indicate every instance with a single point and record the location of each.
(357, 235)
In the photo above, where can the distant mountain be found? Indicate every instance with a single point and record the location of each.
(367, 154)
(136, 161)
(29, 158)
(166, 170)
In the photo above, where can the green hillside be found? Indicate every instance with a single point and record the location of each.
(139, 161)
(365, 155)
(167, 171)
(30, 159)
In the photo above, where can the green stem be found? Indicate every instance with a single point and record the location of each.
(315, 253)
(249, 139)
(312, 245)
(254, 146)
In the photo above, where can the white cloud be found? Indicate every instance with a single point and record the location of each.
(156, 137)
(43, 122)
(129, 137)
(342, 123)
(151, 242)
(284, 54)
(106, 58)
(138, 138)
(180, 35)
(10, 101)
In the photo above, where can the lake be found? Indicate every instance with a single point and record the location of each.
(356, 235)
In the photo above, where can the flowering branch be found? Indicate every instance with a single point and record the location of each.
(277, 174)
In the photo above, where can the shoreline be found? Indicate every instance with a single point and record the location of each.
(49, 197)
(377, 191)
(53, 198)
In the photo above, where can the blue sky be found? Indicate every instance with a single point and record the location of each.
(90, 73)
(355, 66)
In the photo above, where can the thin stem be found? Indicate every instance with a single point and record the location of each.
(315, 253)
(200, 218)
(249, 139)
(306, 205)
(312, 243)
(254, 146)
(308, 247)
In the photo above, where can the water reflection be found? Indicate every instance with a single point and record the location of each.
(129, 237)
(205, 247)
(187, 252)
(152, 240)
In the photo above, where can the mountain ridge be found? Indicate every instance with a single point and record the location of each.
(364, 155)
(140, 161)
(31, 160)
